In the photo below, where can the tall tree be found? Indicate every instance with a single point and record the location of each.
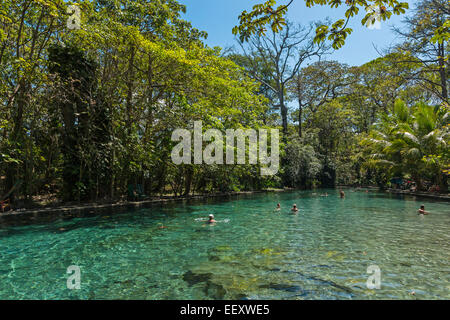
(369, 97)
(317, 84)
(26, 29)
(284, 52)
(432, 58)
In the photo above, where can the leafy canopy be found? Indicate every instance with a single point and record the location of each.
(265, 14)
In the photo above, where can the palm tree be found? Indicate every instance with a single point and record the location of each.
(411, 141)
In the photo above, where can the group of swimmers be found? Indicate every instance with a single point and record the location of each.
(293, 209)
(341, 193)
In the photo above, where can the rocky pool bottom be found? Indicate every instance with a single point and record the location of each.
(253, 252)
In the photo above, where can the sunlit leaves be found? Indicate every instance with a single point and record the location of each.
(263, 15)
(442, 34)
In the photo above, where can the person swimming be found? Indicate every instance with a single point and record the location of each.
(342, 194)
(211, 219)
(422, 210)
(278, 208)
(294, 208)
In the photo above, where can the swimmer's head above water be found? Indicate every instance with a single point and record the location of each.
(422, 210)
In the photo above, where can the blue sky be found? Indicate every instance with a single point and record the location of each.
(217, 18)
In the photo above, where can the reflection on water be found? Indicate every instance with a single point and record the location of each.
(253, 252)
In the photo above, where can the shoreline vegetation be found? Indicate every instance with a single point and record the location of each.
(91, 114)
(70, 211)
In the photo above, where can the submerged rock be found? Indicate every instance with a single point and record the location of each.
(267, 251)
(282, 287)
(193, 278)
(222, 248)
(206, 283)
(213, 258)
(224, 258)
(215, 291)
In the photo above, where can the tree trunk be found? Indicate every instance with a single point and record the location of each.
(188, 180)
(442, 72)
(17, 136)
(129, 80)
(300, 115)
(128, 120)
(283, 112)
(112, 178)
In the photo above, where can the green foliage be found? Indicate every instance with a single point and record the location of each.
(411, 141)
(302, 163)
(106, 98)
(442, 34)
(264, 14)
(425, 46)
(86, 113)
(261, 15)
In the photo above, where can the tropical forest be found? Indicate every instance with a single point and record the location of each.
(89, 99)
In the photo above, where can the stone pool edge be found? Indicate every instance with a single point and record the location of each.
(30, 216)
(420, 194)
(435, 196)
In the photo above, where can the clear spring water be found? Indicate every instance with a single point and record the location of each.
(254, 252)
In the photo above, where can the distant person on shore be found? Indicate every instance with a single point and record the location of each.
(278, 208)
(422, 210)
(342, 194)
(294, 208)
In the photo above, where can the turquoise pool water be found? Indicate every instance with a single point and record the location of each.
(252, 252)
